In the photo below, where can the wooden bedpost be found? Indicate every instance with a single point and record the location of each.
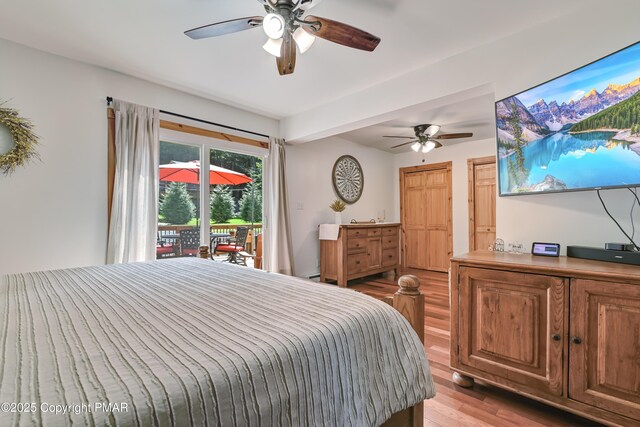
(204, 252)
(409, 301)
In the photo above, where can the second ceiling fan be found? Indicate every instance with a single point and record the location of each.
(286, 28)
(426, 138)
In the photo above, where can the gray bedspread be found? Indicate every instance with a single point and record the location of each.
(196, 342)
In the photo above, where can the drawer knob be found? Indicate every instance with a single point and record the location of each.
(555, 337)
(576, 340)
(357, 262)
(390, 256)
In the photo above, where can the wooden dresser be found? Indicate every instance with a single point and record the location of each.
(564, 331)
(360, 250)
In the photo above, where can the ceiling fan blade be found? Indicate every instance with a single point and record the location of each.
(340, 33)
(455, 135)
(225, 27)
(403, 137)
(406, 143)
(287, 60)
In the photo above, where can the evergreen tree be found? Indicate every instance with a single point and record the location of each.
(251, 203)
(176, 206)
(221, 204)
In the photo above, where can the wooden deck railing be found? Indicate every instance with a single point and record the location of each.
(255, 229)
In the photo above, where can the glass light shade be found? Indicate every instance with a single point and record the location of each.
(303, 39)
(432, 130)
(416, 147)
(274, 47)
(308, 4)
(428, 147)
(273, 25)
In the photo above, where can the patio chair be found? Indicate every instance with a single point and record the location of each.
(235, 247)
(165, 249)
(189, 242)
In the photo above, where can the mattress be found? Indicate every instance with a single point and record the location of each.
(196, 342)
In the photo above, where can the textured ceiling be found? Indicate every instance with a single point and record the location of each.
(144, 38)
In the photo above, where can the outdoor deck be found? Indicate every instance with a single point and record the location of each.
(171, 246)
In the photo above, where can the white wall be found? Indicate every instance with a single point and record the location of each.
(310, 192)
(458, 155)
(53, 213)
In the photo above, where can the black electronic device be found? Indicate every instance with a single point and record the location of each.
(607, 255)
(627, 247)
(545, 249)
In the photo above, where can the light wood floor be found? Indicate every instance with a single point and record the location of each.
(483, 405)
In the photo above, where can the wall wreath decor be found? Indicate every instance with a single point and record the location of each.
(24, 140)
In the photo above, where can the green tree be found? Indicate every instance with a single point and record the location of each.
(251, 203)
(221, 204)
(176, 206)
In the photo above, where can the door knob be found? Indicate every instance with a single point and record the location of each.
(576, 340)
(555, 337)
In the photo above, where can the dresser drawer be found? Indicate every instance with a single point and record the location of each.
(389, 257)
(387, 231)
(357, 232)
(356, 245)
(356, 263)
(373, 232)
(390, 241)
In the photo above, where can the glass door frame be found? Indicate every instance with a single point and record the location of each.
(206, 144)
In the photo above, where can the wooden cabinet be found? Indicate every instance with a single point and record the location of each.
(360, 250)
(561, 330)
(604, 350)
(507, 323)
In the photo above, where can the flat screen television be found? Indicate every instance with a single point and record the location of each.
(580, 131)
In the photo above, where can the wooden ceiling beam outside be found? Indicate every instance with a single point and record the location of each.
(179, 127)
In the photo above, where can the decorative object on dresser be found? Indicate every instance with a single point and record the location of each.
(359, 250)
(338, 206)
(348, 179)
(22, 142)
(560, 330)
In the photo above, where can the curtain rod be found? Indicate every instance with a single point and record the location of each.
(110, 100)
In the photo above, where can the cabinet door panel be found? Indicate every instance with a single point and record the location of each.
(374, 253)
(506, 323)
(605, 365)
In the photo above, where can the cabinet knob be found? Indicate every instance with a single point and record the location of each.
(555, 337)
(357, 262)
(576, 340)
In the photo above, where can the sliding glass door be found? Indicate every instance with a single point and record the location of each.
(221, 208)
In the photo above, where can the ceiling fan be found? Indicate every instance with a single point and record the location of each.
(426, 138)
(286, 27)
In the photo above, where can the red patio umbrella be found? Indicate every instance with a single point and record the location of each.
(189, 172)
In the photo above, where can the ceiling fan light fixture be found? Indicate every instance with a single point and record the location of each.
(303, 39)
(273, 25)
(416, 147)
(307, 4)
(428, 147)
(274, 47)
(432, 130)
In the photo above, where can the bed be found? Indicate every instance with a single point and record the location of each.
(195, 342)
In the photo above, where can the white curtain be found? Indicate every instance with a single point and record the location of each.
(134, 217)
(277, 252)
